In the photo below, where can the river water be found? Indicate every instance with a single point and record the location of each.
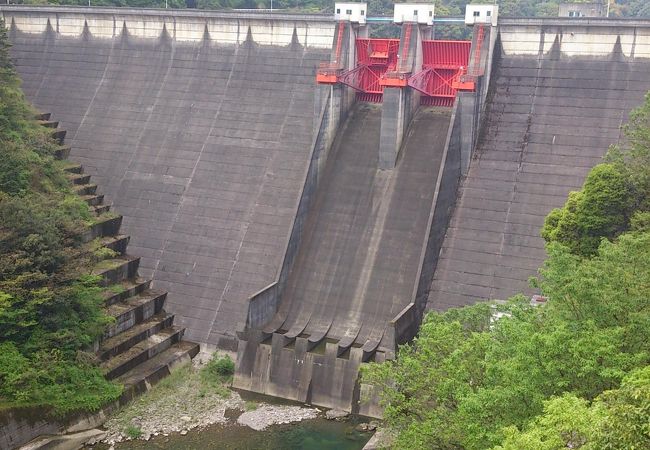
(316, 434)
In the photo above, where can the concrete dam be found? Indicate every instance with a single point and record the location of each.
(307, 226)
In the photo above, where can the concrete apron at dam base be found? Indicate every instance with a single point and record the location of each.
(255, 197)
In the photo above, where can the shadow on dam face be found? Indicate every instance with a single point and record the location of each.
(201, 145)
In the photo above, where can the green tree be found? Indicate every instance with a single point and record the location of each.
(617, 419)
(469, 378)
(567, 422)
(602, 209)
(627, 414)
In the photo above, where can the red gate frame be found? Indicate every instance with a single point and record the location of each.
(443, 63)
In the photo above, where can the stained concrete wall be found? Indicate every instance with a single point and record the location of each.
(332, 104)
(19, 426)
(465, 127)
(198, 126)
(560, 92)
(399, 105)
(442, 207)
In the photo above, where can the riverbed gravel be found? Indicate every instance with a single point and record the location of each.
(184, 402)
(266, 415)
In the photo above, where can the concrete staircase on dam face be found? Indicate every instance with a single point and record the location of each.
(142, 344)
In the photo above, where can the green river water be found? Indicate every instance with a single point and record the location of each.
(317, 434)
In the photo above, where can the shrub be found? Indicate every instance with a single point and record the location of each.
(218, 369)
(602, 209)
(133, 432)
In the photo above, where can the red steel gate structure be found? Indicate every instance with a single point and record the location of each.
(374, 58)
(443, 62)
(444, 69)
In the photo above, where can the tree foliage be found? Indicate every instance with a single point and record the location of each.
(468, 381)
(50, 309)
(617, 419)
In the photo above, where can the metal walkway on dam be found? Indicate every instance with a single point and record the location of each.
(298, 226)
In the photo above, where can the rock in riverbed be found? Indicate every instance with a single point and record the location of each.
(267, 415)
(336, 414)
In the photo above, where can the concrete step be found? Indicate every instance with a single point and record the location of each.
(133, 311)
(49, 123)
(98, 210)
(85, 189)
(93, 200)
(79, 178)
(73, 168)
(43, 116)
(124, 341)
(136, 380)
(58, 134)
(117, 243)
(105, 226)
(120, 292)
(141, 352)
(63, 152)
(113, 271)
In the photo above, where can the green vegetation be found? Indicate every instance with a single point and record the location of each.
(571, 374)
(617, 419)
(49, 314)
(133, 432)
(218, 372)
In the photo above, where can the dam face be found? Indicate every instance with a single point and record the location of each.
(561, 91)
(196, 127)
(256, 197)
